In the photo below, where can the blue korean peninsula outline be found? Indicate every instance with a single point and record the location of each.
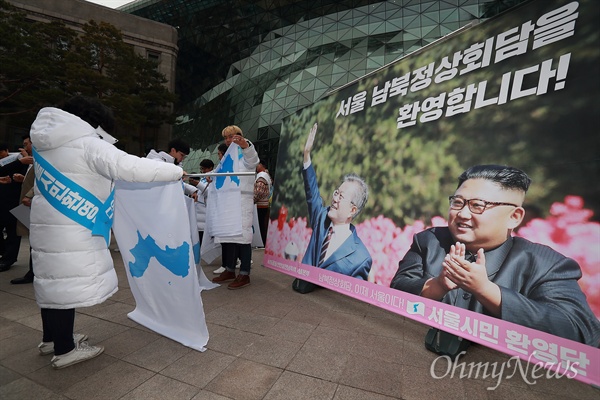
(226, 165)
(174, 259)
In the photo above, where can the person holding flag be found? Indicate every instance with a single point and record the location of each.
(236, 237)
(72, 216)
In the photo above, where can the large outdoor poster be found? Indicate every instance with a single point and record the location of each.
(518, 90)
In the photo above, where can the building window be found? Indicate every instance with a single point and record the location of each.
(154, 57)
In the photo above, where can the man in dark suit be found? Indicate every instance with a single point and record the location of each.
(334, 244)
(11, 178)
(476, 264)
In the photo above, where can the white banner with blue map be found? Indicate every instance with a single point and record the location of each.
(153, 231)
(223, 211)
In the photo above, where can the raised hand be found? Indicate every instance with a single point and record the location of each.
(310, 141)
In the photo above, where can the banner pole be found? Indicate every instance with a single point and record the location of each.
(220, 174)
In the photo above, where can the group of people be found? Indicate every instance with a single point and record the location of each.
(76, 166)
(254, 191)
(474, 263)
(13, 187)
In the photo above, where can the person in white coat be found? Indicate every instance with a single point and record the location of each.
(178, 151)
(201, 184)
(234, 247)
(75, 170)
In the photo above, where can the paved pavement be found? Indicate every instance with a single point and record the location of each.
(266, 342)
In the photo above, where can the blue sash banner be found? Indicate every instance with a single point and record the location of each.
(72, 200)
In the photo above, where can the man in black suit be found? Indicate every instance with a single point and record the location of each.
(476, 264)
(11, 178)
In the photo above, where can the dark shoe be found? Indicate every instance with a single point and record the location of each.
(240, 282)
(224, 277)
(5, 266)
(28, 278)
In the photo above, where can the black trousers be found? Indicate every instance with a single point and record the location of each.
(232, 251)
(12, 243)
(58, 328)
(263, 223)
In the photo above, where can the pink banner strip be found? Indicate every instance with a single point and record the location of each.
(566, 357)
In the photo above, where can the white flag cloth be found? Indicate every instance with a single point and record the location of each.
(203, 281)
(223, 211)
(153, 232)
(210, 250)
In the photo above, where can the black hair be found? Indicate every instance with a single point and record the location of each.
(3, 146)
(222, 148)
(507, 177)
(179, 145)
(206, 163)
(91, 110)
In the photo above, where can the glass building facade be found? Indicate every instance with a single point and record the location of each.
(252, 63)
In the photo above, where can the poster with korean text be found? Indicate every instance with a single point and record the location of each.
(520, 90)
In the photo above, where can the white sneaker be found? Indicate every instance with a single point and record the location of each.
(219, 271)
(46, 348)
(81, 352)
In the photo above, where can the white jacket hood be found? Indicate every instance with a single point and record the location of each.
(54, 127)
(161, 156)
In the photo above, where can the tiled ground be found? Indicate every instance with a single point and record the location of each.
(266, 342)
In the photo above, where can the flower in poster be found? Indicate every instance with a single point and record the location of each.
(569, 231)
(293, 233)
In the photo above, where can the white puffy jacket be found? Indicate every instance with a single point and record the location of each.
(188, 189)
(200, 204)
(73, 268)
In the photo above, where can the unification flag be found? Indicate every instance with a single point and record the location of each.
(203, 281)
(153, 230)
(223, 211)
(210, 250)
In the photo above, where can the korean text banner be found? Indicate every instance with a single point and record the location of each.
(517, 90)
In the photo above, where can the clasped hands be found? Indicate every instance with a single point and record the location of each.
(458, 272)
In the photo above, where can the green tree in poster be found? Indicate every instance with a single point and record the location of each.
(411, 170)
(405, 174)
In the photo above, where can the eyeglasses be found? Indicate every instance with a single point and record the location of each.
(476, 206)
(338, 194)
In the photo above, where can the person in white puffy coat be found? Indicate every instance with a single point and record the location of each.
(73, 268)
(201, 184)
(178, 151)
(234, 247)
